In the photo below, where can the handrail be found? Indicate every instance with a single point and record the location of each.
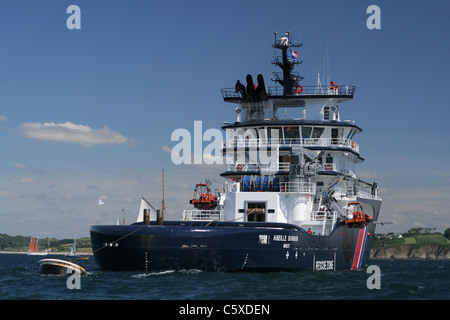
(277, 91)
(282, 166)
(298, 187)
(305, 142)
(367, 195)
(202, 215)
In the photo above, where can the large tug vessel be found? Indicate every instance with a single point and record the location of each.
(291, 200)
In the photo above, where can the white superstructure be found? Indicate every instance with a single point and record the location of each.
(291, 158)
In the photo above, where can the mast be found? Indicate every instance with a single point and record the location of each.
(160, 213)
(286, 78)
(163, 202)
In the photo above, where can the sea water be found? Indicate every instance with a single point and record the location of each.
(398, 280)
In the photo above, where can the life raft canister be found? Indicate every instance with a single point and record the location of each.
(298, 90)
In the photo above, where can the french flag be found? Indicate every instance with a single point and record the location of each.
(294, 54)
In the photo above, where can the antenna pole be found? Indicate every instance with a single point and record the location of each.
(328, 66)
(163, 202)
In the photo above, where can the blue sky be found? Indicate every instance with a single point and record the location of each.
(89, 113)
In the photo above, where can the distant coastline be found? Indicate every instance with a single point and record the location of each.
(21, 244)
(13, 252)
(416, 244)
(408, 252)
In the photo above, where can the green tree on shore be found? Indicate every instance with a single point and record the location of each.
(418, 231)
(447, 233)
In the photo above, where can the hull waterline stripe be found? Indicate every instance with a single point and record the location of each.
(359, 252)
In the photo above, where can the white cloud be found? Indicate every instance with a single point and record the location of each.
(25, 180)
(70, 132)
(166, 149)
(3, 118)
(67, 196)
(7, 194)
(19, 165)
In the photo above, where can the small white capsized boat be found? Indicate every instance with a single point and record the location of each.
(60, 267)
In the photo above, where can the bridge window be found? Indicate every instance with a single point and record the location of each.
(317, 132)
(336, 135)
(306, 132)
(351, 134)
(291, 133)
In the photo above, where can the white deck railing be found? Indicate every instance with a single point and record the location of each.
(298, 187)
(367, 195)
(305, 142)
(282, 166)
(278, 91)
(202, 215)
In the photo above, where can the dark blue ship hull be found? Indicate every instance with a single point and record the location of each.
(229, 246)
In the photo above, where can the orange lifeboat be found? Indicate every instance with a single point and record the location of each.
(359, 219)
(203, 199)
